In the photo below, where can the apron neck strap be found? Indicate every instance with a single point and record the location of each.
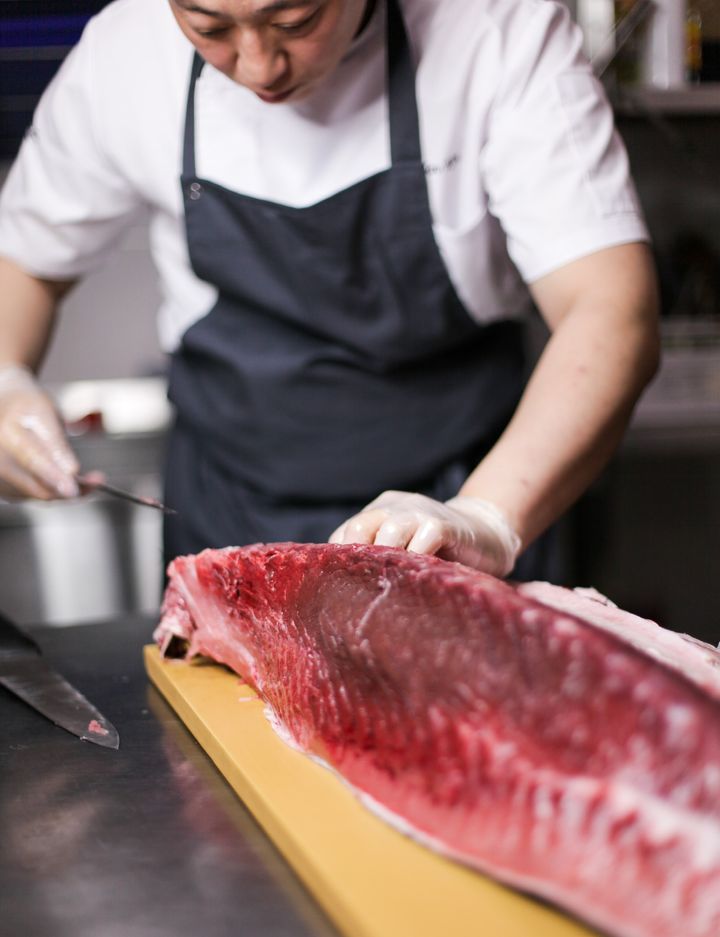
(189, 134)
(402, 105)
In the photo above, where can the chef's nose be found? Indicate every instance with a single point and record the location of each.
(260, 63)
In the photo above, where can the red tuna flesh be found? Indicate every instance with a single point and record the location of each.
(562, 746)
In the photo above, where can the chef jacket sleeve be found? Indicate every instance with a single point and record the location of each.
(64, 204)
(555, 169)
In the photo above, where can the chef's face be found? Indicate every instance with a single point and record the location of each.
(279, 49)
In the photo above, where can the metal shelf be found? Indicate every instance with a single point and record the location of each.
(693, 101)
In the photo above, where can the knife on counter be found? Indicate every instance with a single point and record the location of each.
(25, 673)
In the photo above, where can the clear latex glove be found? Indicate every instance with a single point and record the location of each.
(35, 458)
(467, 530)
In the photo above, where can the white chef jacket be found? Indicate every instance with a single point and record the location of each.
(525, 171)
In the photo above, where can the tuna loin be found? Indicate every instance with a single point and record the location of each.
(562, 746)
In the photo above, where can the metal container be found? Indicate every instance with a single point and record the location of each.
(90, 558)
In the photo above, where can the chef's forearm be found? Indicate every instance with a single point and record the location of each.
(27, 312)
(575, 410)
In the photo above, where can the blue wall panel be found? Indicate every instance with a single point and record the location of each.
(35, 37)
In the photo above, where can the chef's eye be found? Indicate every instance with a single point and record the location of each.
(213, 33)
(299, 27)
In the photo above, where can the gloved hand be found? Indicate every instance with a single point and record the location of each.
(467, 530)
(35, 458)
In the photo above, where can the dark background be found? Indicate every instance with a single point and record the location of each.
(34, 39)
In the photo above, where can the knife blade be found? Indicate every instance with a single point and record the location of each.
(91, 484)
(25, 673)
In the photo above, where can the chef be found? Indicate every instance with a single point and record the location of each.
(355, 206)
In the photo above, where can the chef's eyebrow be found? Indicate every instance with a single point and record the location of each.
(274, 7)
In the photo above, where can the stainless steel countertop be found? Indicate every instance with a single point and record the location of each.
(148, 841)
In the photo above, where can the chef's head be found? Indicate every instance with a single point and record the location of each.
(279, 49)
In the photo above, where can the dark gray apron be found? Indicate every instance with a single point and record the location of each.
(338, 360)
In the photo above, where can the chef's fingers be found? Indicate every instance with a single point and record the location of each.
(362, 528)
(89, 481)
(35, 457)
(37, 444)
(35, 476)
(16, 482)
(429, 537)
(32, 440)
(396, 531)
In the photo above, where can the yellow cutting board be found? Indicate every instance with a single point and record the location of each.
(371, 880)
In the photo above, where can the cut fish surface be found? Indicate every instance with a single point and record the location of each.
(551, 740)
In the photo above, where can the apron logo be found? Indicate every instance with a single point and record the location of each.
(450, 163)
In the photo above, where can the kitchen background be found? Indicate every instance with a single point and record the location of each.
(647, 534)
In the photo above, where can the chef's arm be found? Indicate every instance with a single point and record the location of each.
(27, 312)
(603, 314)
(602, 311)
(35, 459)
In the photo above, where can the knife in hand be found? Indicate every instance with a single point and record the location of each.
(25, 673)
(94, 482)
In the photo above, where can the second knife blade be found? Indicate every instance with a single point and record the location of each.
(41, 687)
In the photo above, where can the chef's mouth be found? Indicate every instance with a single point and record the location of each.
(277, 96)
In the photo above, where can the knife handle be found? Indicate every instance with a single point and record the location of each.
(13, 641)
